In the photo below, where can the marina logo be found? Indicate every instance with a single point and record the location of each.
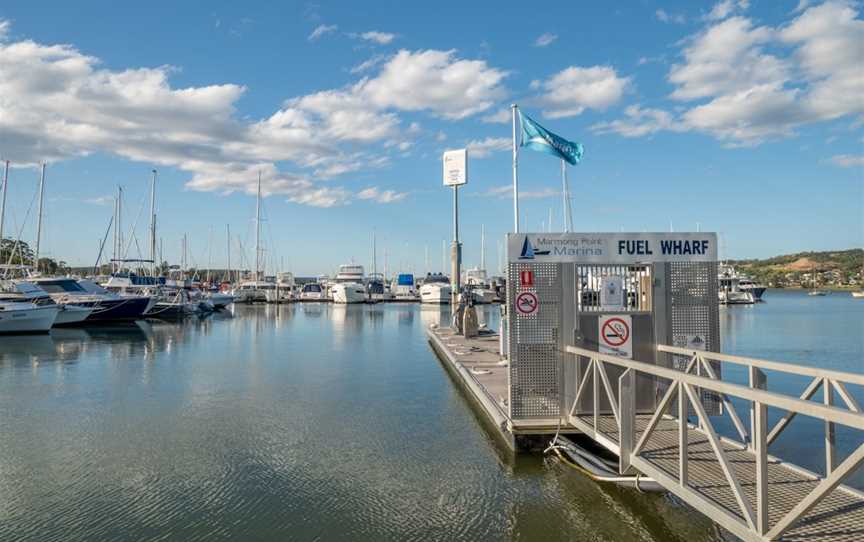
(528, 251)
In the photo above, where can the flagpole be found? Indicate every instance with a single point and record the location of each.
(513, 108)
(565, 190)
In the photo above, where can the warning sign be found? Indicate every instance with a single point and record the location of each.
(616, 335)
(527, 304)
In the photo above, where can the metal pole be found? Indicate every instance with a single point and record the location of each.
(39, 217)
(374, 256)
(568, 211)
(258, 230)
(153, 225)
(455, 252)
(513, 108)
(228, 236)
(483, 247)
(3, 201)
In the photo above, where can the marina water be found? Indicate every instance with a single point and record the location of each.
(324, 422)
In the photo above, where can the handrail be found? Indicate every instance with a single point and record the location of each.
(793, 368)
(828, 413)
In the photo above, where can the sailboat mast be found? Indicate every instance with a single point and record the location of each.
(374, 256)
(3, 200)
(153, 225)
(228, 232)
(482, 247)
(39, 217)
(116, 233)
(258, 231)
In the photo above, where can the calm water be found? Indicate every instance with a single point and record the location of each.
(313, 422)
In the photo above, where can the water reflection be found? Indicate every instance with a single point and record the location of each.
(310, 421)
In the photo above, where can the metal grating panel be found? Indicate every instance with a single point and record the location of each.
(535, 356)
(637, 287)
(695, 313)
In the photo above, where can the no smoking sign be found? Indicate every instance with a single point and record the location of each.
(616, 335)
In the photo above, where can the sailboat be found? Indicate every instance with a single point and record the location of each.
(816, 292)
(255, 289)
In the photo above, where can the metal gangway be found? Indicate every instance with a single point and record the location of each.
(734, 481)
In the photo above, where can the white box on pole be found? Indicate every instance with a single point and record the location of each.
(456, 167)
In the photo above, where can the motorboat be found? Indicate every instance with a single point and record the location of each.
(219, 299)
(436, 289)
(817, 293)
(858, 294)
(107, 306)
(729, 293)
(477, 283)
(403, 288)
(349, 285)
(254, 291)
(132, 285)
(24, 317)
(26, 292)
(745, 283)
(176, 303)
(312, 291)
(285, 288)
(376, 288)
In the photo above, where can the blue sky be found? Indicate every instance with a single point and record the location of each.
(743, 117)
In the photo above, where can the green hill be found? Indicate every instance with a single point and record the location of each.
(837, 268)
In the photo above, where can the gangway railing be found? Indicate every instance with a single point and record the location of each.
(759, 482)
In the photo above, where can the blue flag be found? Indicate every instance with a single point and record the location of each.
(537, 138)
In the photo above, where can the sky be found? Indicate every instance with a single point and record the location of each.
(740, 117)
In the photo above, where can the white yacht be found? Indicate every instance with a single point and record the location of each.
(729, 292)
(477, 283)
(286, 288)
(312, 291)
(403, 288)
(17, 291)
(745, 283)
(254, 291)
(24, 317)
(435, 289)
(349, 285)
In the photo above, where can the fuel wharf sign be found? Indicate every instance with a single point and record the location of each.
(611, 248)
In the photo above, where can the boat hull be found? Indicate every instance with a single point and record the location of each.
(348, 293)
(435, 295)
(72, 314)
(28, 319)
(113, 310)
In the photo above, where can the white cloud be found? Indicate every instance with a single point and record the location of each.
(639, 122)
(368, 64)
(381, 196)
(665, 17)
(545, 39)
(59, 103)
(321, 30)
(727, 57)
(99, 200)
(745, 84)
(724, 8)
(572, 90)
(4, 29)
(501, 116)
(483, 148)
(434, 80)
(848, 160)
(506, 191)
(440, 136)
(381, 38)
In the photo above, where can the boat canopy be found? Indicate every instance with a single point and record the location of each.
(60, 286)
(405, 279)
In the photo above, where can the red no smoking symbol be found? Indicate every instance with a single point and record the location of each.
(615, 332)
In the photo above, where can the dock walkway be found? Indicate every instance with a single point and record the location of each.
(749, 492)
